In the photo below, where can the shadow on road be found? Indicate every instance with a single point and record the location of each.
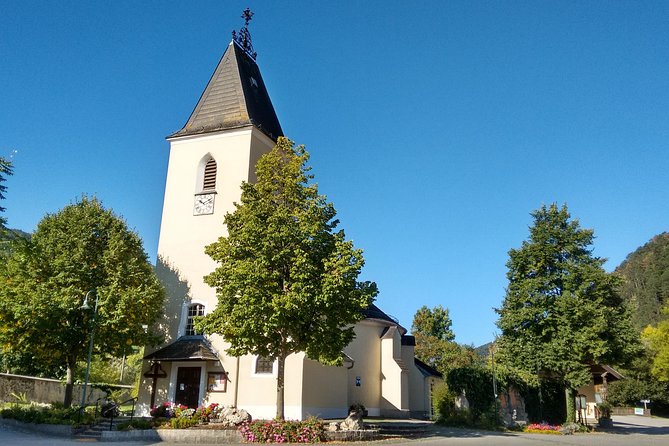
(622, 428)
(444, 431)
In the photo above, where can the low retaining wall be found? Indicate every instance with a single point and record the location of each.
(363, 435)
(58, 430)
(189, 436)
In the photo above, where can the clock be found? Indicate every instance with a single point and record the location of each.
(204, 204)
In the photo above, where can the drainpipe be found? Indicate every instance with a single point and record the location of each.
(236, 382)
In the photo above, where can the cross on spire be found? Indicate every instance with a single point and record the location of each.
(243, 38)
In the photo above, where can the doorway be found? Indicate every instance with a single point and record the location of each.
(188, 386)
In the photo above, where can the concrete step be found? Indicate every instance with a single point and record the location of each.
(95, 430)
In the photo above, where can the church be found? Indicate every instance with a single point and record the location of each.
(231, 127)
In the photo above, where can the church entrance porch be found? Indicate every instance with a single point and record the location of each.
(188, 386)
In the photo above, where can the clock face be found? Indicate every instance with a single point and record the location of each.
(204, 204)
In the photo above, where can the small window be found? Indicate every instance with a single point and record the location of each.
(209, 181)
(264, 365)
(194, 311)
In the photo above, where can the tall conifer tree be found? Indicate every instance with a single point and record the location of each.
(562, 311)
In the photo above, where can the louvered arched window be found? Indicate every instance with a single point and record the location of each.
(209, 178)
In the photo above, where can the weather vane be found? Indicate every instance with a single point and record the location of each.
(244, 36)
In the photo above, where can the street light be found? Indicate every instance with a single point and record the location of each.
(86, 306)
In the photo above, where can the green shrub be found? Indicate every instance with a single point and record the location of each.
(443, 401)
(476, 384)
(183, 423)
(44, 414)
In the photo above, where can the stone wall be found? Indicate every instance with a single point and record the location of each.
(42, 390)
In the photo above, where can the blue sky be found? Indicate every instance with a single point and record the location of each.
(435, 127)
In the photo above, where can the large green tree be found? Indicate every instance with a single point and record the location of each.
(435, 343)
(645, 274)
(287, 281)
(80, 249)
(562, 311)
(434, 322)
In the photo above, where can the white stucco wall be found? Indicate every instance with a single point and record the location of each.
(365, 351)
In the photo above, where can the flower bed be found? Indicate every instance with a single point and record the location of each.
(311, 430)
(214, 416)
(174, 416)
(543, 428)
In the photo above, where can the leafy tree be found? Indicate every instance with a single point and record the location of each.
(81, 248)
(639, 384)
(433, 322)
(434, 341)
(5, 171)
(645, 274)
(562, 311)
(658, 342)
(287, 281)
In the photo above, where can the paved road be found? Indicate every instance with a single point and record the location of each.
(635, 431)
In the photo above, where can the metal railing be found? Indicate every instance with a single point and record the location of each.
(115, 411)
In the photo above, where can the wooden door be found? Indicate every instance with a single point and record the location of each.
(188, 386)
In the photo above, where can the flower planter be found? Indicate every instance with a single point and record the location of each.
(605, 422)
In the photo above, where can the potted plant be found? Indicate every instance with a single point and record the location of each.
(604, 410)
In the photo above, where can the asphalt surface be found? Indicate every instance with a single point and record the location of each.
(628, 430)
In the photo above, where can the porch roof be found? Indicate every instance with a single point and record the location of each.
(186, 348)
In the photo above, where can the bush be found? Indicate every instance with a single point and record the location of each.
(278, 431)
(45, 414)
(604, 410)
(476, 384)
(458, 418)
(545, 403)
(183, 422)
(443, 402)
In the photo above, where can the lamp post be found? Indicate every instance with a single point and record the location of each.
(86, 306)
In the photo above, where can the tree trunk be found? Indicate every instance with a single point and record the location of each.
(69, 384)
(569, 395)
(280, 386)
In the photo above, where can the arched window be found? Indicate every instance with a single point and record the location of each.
(209, 178)
(194, 310)
(264, 365)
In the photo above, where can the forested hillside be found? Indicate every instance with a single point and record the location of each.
(645, 274)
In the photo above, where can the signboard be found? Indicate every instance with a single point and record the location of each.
(217, 382)
(638, 411)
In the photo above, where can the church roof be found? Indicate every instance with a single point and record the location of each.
(425, 369)
(186, 348)
(374, 312)
(234, 97)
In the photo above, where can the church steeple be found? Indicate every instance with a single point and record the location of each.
(235, 96)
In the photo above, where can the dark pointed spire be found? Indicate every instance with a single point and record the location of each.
(243, 39)
(235, 97)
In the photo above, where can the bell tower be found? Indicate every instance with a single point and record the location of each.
(232, 125)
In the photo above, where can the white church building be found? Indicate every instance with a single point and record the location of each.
(232, 125)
